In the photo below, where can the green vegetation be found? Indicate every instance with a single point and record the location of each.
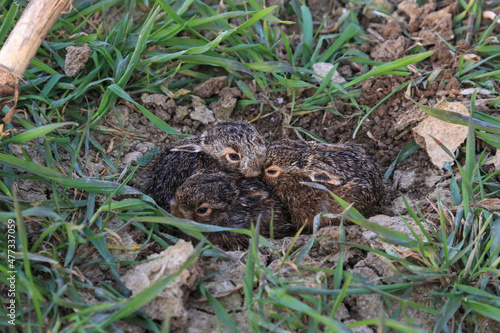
(145, 47)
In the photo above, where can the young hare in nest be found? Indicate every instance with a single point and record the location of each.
(223, 200)
(234, 147)
(345, 169)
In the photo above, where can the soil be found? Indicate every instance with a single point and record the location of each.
(383, 134)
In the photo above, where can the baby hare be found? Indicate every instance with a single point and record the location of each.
(234, 147)
(345, 169)
(223, 200)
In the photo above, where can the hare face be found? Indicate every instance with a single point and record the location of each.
(344, 169)
(233, 147)
(223, 200)
(237, 147)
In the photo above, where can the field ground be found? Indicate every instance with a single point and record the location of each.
(75, 159)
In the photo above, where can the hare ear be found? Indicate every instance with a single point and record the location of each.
(188, 148)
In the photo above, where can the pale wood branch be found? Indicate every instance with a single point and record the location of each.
(24, 40)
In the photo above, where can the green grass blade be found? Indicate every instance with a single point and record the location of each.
(271, 67)
(127, 204)
(139, 48)
(351, 31)
(8, 21)
(33, 211)
(99, 243)
(388, 67)
(477, 292)
(31, 167)
(256, 17)
(97, 186)
(491, 139)
(86, 184)
(219, 310)
(34, 292)
(71, 244)
(288, 301)
(470, 155)
(325, 81)
(44, 67)
(248, 280)
(34, 133)
(245, 90)
(484, 309)
(341, 296)
(307, 33)
(405, 152)
(191, 226)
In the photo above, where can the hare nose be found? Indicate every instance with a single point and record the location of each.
(251, 173)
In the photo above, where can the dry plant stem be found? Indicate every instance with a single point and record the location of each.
(24, 40)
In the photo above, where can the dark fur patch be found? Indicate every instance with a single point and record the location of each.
(322, 177)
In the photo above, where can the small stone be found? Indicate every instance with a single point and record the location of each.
(119, 117)
(203, 114)
(342, 312)
(398, 205)
(132, 157)
(394, 223)
(180, 113)
(405, 179)
(224, 107)
(390, 49)
(157, 99)
(76, 58)
(322, 69)
(211, 87)
(170, 300)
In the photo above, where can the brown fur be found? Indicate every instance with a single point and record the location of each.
(207, 151)
(345, 169)
(234, 202)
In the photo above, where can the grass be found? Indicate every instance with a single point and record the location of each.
(147, 50)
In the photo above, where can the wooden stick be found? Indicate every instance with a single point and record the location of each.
(24, 40)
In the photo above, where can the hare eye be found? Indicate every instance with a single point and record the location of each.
(203, 211)
(234, 157)
(273, 171)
